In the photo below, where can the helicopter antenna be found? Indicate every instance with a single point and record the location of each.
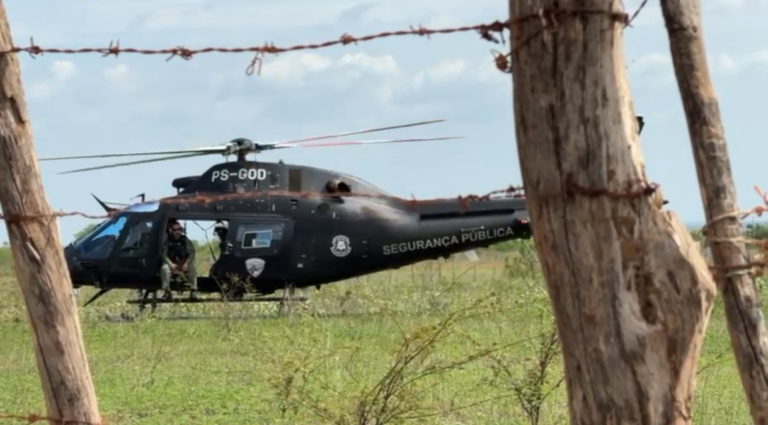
(241, 147)
(103, 204)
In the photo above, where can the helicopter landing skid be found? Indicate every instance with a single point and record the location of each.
(155, 300)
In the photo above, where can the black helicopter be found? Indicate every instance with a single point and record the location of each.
(282, 226)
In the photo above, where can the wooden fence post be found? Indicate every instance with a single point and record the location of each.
(630, 289)
(40, 267)
(724, 230)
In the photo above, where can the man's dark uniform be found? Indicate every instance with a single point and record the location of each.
(177, 249)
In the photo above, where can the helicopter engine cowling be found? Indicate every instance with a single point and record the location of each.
(182, 183)
(337, 186)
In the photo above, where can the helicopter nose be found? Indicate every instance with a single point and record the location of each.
(69, 257)
(73, 265)
(76, 271)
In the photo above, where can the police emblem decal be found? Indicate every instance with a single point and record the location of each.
(340, 246)
(255, 266)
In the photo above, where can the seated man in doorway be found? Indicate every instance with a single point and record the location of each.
(178, 255)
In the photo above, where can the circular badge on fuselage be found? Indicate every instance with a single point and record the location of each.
(340, 246)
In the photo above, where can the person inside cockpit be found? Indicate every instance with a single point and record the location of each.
(178, 257)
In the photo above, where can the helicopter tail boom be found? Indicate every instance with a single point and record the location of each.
(449, 230)
(434, 210)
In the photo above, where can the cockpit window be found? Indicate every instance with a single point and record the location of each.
(151, 206)
(137, 242)
(96, 229)
(100, 242)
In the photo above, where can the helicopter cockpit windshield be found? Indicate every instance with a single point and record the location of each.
(99, 242)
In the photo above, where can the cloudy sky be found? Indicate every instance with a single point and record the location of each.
(89, 104)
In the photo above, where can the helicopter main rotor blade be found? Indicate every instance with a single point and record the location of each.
(351, 133)
(204, 150)
(361, 142)
(144, 161)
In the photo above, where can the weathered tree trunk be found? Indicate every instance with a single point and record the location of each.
(718, 192)
(38, 256)
(629, 287)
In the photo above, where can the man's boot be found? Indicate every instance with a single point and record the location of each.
(165, 284)
(193, 294)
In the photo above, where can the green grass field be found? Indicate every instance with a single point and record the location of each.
(444, 342)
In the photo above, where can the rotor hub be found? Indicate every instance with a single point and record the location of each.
(241, 147)
(240, 144)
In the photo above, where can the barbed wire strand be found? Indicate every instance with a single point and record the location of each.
(492, 32)
(486, 32)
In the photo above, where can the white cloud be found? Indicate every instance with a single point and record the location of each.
(445, 71)
(382, 75)
(63, 70)
(379, 65)
(655, 68)
(735, 64)
(436, 13)
(727, 63)
(121, 78)
(759, 58)
(116, 73)
(291, 70)
(651, 62)
(723, 5)
(658, 66)
(60, 74)
(298, 70)
(225, 15)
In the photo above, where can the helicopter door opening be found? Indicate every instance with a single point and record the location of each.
(209, 236)
(136, 258)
